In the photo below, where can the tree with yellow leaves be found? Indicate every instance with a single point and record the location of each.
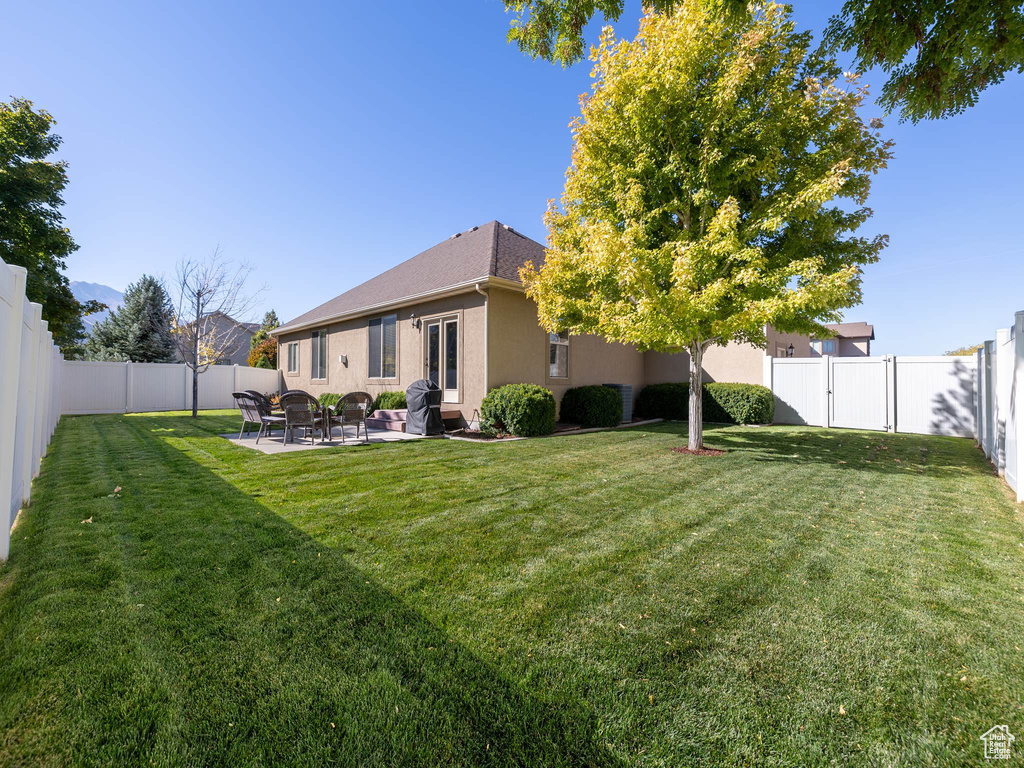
(703, 198)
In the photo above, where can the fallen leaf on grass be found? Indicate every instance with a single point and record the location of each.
(842, 710)
(87, 520)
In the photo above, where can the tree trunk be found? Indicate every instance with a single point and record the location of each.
(195, 362)
(696, 422)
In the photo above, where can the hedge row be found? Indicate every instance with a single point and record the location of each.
(722, 402)
(593, 406)
(524, 410)
(389, 401)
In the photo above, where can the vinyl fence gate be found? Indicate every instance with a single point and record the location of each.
(924, 395)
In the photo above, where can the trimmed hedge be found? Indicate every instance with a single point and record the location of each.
(722, 401)
(391, 400)
(329, 398)
(524, 410)
(593, 406)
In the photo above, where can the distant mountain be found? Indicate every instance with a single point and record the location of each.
(102, 293)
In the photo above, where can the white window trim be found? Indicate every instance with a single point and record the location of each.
(322, 333)
(381, 377)
(562, 343)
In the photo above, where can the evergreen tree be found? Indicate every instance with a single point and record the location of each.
(140, 331)
(270, 321)
(262, 348)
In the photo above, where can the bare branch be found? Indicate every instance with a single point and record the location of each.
(212, 305)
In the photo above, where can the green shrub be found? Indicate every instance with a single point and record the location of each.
(329, 398)
(663, 401)
(524, 410)
(593, 406)
(392, 400)
(738, 403)
(722, 402)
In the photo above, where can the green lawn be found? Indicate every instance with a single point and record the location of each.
(584, 600)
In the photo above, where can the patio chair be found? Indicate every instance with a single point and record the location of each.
(353, 408)
(303, 411)
(253, 413)
(262, 401)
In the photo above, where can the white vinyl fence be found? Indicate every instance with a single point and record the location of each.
(975, 396)
(1000, 432)
(30, 373)
(90, 387)
(926, 395)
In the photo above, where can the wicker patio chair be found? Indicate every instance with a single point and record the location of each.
(303, 411)
(253, 413)
(353, 408)
(262, 401)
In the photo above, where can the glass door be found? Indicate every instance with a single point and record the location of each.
(442, 356)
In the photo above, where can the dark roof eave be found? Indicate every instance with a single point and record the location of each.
(450, 290)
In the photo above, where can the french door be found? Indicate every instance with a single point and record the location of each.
(442, 356)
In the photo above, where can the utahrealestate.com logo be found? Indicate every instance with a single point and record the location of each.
(998, 741)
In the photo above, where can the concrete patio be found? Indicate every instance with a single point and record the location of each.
(275, 444)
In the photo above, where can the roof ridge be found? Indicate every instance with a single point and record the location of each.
(492, 268)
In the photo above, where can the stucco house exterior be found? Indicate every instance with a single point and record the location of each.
(457, 314)
(851, 340)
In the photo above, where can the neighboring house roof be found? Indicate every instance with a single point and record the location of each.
(493, 250)
(852, 330)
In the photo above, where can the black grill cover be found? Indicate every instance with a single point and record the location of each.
(423, 399)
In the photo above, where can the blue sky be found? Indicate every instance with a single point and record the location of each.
(326, 142)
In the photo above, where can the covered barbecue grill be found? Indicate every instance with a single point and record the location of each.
(423, 401)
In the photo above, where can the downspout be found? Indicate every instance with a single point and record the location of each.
(487, 343)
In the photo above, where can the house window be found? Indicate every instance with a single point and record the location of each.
(826, 347)
(293, 357)
(319, 355)
(383, 347)
(558, 351)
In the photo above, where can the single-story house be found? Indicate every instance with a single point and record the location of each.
(851, 340)
(457, 314)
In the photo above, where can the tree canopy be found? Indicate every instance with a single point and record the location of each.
(140, 331)
(263, 348)
(718, 174)
(32, 231)
(939, 55)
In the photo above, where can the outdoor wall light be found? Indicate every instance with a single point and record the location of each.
(343, 359)
(414, 321)
(790, 351)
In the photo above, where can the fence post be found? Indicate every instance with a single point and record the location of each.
(1017, 398)
(234, 381)
(129, 382)
(11, 334)
(39, 392)
(28, 406)
(826, 390)
(890, 393)
(188, 388)
(1004, 378)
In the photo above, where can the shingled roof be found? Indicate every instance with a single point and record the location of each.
(492, 250)
(852, 330)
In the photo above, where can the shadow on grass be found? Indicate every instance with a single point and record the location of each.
(241, 640)
(844, 449)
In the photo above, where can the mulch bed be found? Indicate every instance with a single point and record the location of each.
(699, 452)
